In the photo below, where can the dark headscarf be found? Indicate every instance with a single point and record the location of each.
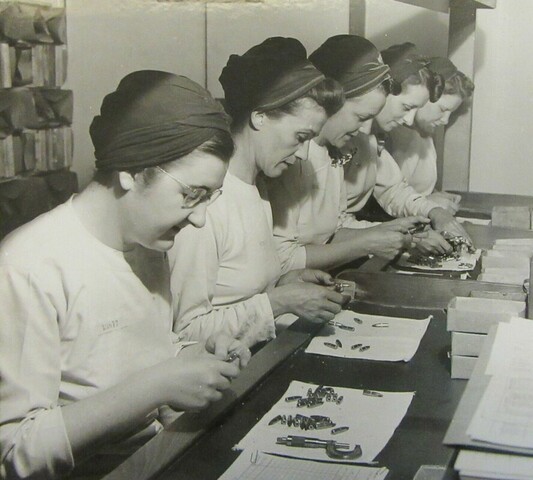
(443, 66)
(403, 61)
(268, 76)
(353, 61)
(153, 117)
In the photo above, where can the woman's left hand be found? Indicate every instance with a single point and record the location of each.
(443, 221)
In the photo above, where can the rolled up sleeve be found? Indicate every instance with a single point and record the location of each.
(33, 439)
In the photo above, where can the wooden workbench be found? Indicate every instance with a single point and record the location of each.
(199, 445)
(417, 441)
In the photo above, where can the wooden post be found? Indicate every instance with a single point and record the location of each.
(357, 17)
(528, 290)
(461, 51)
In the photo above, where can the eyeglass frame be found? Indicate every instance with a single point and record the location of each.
(204, 195)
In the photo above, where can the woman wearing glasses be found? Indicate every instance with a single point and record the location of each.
(226, 277)
(87, 353)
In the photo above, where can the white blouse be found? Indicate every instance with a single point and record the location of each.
(417, 158)
(371, 174)
(220, 273)
(76, 317)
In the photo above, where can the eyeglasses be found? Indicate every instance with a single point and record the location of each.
(194, 196)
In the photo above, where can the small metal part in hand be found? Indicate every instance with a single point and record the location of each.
(232, 356)
(418, 228)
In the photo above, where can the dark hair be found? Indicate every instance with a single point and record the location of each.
(385, 86)
(328, 94)
(220, 145)
(432, 81)
(460, 85)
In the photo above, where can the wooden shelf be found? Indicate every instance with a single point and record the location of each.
(444, 5)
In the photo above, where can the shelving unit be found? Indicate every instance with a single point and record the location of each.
(36, 140)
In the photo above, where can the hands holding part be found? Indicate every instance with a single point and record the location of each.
(199, 373)
(443, 221)
(389, 239)
(307, 293)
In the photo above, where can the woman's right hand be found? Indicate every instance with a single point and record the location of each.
(434, 244)
(193, 379)
(307, 300)
(388, 239)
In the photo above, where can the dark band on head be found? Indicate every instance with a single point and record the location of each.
(153, 117)
(353, 61)
(267, 77)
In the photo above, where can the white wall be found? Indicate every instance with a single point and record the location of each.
(389, 22)
(501, 158)
(235, 27)
(108, 39)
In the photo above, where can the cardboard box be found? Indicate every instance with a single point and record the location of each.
(514, 241)
(517, 249)
(504, 275)
(467, 344)
(517, 296)
(462, 366)
(511, 217)
(477, 315)
(509, 251)
(505, 261)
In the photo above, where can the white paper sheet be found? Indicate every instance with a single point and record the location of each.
(514, 241)
(398, 341)
(474, 220)
(505, 414)
(494, 465)
(371, 421)
(465, 263)
(261, 466)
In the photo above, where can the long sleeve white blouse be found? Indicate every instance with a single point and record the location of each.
(220, 273)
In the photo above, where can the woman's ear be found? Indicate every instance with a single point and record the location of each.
(126, 180)
(257, 119)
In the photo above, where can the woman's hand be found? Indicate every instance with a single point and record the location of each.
(443, 221)
(433, 244)
(193, 379)
(317, 277)
(404, 224)
(306, 300)
(223, 346)
(389, 239)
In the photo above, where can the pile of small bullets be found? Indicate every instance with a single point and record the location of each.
(317, 397)
(313, 422)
